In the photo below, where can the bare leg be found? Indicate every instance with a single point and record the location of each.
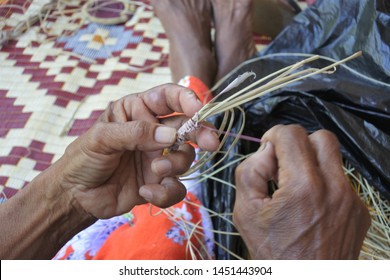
(187, 24)
(233, 33)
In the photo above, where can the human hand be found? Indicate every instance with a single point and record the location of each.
(118, 163)
(314, 213)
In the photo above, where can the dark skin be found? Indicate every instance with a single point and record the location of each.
(314, 214)
(187, 24)
(114, 166)
(118, 164)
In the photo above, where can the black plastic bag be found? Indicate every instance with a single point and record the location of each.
(354, 102)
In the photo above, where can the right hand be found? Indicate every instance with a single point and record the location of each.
(314, 213)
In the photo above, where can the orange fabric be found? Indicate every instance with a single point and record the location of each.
(68, 252)
(200, 89)
(152, 237)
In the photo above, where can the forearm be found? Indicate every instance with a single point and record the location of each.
(40, 219)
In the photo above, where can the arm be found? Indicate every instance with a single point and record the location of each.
(314, 213)
(40, 218)
(114, 166)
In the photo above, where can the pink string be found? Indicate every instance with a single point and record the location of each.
(245, 137)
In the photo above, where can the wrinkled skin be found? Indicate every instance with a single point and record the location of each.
(118, 163)
(314, 213)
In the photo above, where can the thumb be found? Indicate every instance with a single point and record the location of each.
(253, 174)
(134, 135)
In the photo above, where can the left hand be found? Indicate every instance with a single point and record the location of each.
(118, 163)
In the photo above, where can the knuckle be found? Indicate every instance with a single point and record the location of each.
(118, 111)
(97, 135)
(140, 129)
(129, 100)
(326, 137)
(295, 130)
(275, 129)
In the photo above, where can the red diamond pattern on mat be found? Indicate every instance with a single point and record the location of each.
(12, 116)
(7, 193)
(3, 180)
(28, 160)
(63, 97)
(34, 151)
(9, 160)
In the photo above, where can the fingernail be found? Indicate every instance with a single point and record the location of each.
(165, 135)
(146, 194)
(162, 167)
(263, 146)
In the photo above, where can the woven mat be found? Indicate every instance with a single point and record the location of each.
(53, 88)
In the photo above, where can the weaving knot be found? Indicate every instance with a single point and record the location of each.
(182, 133)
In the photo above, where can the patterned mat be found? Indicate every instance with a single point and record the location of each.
(57, 78)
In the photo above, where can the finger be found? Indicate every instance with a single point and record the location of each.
(164, 195)
(297, 162)
(329, 159)
(253, 174)
(174, 121)
(116, 112)
(340, 193)
(327, 149)
(204, 136)
(158, 101)
(135, 135)
(163, 100)
(207, 139)
(174, 163)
